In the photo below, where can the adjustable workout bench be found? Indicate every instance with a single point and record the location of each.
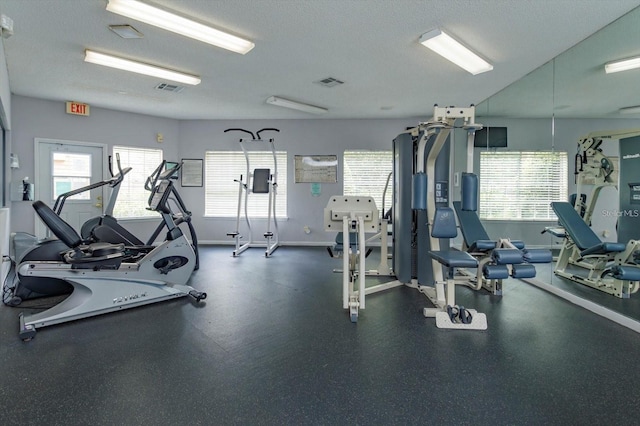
(497, 260)
(611, 266)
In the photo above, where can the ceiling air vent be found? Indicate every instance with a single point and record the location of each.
(167, 87)
(329, 82)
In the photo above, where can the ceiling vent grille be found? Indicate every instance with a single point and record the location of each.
(329, 82)
(168, 87)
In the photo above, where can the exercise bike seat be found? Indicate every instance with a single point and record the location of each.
(57, 225)
(92, 255)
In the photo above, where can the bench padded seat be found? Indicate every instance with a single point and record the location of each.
(454, 258)
(581, 233)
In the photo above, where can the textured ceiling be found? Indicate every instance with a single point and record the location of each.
(371, 45)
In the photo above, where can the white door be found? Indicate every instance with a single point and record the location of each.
(63, 166)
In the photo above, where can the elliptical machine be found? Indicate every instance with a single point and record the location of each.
(106, 279)
(106, 228)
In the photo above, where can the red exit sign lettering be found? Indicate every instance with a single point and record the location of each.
(77, 108)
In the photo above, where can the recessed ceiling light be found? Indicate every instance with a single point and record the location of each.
(126, 31)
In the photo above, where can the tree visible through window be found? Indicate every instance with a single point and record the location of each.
(521, 185)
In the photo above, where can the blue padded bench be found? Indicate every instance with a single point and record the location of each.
(339, 245)
(474, 234)
(581, 234)
(626, 273)
(444, 226)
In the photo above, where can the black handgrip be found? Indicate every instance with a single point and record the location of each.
(266, 129)
(236, 129)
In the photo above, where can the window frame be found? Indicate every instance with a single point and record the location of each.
(361, 159)
(135, 180)
(221, 161)
(523, 195)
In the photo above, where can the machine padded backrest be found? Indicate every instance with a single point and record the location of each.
(57, 225)
(578, 230)
(261, 181)
(444, 223)
(470, 225)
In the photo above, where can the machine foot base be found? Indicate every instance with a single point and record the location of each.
(479, 321)
(27, 332)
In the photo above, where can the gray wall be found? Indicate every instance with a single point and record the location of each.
(36, 118)
(191, 138)
(312, 137)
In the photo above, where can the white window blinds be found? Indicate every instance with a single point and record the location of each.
(366, 172)
(133, 198)
(221, 192)
(521, 185)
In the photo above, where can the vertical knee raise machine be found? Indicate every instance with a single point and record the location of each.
(258, 181)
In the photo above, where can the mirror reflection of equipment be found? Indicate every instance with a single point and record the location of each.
(584, 258)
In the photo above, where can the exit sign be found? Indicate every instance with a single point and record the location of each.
(77, 108)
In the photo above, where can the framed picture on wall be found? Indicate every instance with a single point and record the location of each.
(192, 172)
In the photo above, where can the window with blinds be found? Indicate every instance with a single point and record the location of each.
(521, 185)
(366, 172)
(221, 192)
(133, 198)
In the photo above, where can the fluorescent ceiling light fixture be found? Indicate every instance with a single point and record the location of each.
(286, 103)
(623, 65)
(445, 46)
(152, 15)
(630, 110)
(139, 67)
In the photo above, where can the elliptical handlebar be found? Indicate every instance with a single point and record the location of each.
(113, 181)
(158, 174)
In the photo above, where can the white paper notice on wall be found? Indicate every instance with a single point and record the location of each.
(316, 168)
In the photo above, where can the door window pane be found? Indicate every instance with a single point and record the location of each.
(71, 171)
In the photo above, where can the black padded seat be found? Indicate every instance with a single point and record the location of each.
(57, 225)
(93, 255)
